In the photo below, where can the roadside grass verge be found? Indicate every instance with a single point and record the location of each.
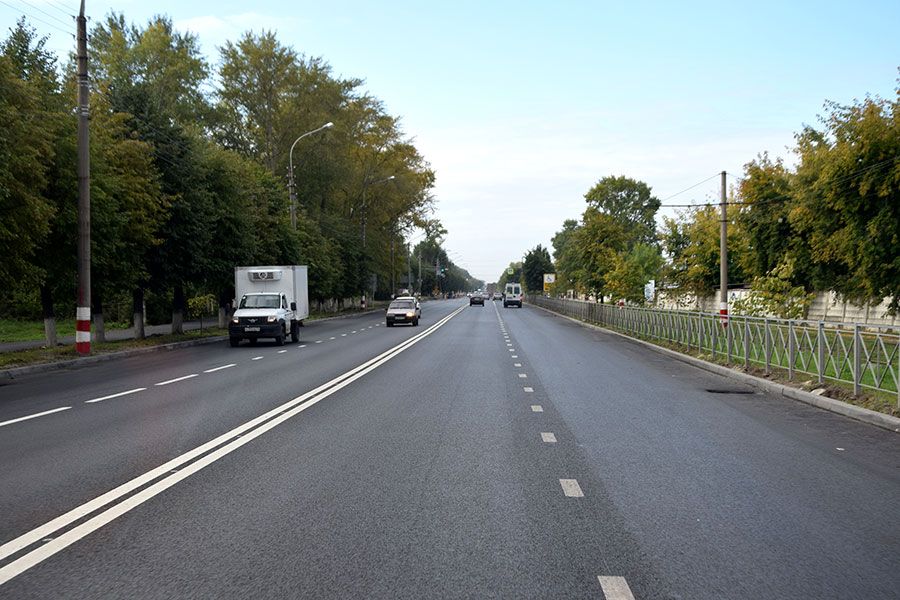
(13, 330)
(37, 356)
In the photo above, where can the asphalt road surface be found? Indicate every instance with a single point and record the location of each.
(486, 453)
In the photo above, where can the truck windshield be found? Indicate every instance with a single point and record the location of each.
(261, 301)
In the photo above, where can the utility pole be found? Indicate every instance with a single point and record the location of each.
(83, 305)
(419, 281)
(409, 269)
(723, 257)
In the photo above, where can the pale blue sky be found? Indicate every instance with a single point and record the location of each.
(521, 106)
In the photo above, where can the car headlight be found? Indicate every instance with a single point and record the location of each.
(235, 320)
(409, 314)
(272, 319)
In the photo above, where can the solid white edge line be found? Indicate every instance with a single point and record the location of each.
(134, 391)
(177, 379)
(220, 368)
(615, 588)
(35, 416)
(285, 411)
(571, 488)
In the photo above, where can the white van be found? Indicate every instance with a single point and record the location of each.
(513, 295)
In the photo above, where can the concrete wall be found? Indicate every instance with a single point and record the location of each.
(825, 307)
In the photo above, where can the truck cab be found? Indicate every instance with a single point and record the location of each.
(262, 315)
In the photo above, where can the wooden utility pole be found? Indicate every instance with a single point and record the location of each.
(83, 306)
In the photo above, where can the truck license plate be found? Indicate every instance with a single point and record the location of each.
(251, 328)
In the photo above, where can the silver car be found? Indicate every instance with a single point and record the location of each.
(403, 310)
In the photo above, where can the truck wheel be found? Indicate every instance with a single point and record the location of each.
(279, 339)
(234, 341)
(295, 332)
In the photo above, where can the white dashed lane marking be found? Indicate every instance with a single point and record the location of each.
(342, 335)
(571, 488)
(523, 375)
(282, 351)
(615, 588)
(134, 391)
(537, 408)
(257, 358)
(515, 356)
(36, 415)
(528, 389)
(302, 346)
(318, 341)
(517, 364)
(177, 379)
(331, 338)
(511, 350)
(220, 368)
(547, 437)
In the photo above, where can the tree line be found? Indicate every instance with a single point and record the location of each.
(189, 165)
(832, 222)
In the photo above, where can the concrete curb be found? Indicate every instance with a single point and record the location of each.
(830, 404)
(77, 363)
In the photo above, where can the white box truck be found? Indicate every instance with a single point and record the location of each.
(271, 303)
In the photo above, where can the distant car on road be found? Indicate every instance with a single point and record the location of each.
(476, 298)
(403, 310)
(497, 296)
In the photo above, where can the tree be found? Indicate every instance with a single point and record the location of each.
(630, 203)
(632, 271)
(537, 263)
(693, 245)
(766, 196)
(25, 145)
(595, 247)
(848, 200)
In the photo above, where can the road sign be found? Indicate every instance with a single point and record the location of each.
(549, 279)
(510, 271)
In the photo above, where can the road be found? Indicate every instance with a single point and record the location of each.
(488, 452)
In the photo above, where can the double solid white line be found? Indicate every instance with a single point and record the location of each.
(201, 456)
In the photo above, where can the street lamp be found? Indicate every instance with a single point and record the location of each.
(291, 187)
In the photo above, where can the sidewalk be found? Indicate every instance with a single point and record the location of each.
(112, 335)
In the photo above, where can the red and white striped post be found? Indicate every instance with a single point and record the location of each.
(83, 330)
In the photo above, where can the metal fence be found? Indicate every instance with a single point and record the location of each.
(865, 356)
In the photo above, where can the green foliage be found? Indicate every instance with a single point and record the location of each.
(693, 247)
(630, 203)
(28, 92)
(847, 200)
(632, 271)
(774, 294)
(537, 263)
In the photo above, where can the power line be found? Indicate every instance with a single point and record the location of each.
(56, 6)
(39, 20)
(40, 10)
(690, 188)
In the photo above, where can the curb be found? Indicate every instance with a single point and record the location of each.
(77, 363)
(830, 404)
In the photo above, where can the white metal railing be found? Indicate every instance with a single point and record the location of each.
(865, 356)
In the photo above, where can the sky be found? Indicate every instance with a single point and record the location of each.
(521, 107)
